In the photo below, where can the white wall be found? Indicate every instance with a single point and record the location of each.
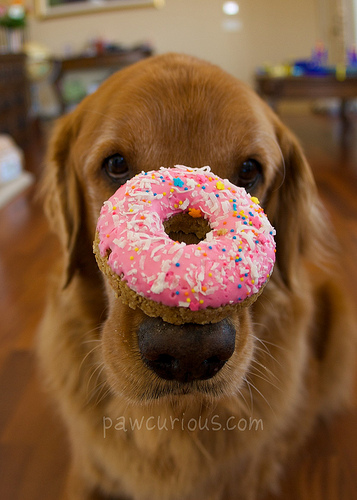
(271, 30)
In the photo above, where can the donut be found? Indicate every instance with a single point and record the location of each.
(223, 262)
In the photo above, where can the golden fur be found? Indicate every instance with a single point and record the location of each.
(219, 439)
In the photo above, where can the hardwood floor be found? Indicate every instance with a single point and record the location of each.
(33, 448)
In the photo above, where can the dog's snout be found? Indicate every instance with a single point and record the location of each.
(185, 352)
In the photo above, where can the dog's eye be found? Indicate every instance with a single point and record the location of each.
(116, 167)
(249, 174)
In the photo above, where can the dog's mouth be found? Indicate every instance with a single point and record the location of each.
(185, 353)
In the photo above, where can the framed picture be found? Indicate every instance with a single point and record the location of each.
(47, 9)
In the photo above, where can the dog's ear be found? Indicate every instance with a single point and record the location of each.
(294, 208)
(60, 187)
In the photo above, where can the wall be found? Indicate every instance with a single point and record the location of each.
(268, 31)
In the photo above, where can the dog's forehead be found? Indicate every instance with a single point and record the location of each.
(167, 113)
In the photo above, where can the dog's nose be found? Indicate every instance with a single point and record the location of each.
(185, 352)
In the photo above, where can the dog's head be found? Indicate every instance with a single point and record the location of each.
(160, 112)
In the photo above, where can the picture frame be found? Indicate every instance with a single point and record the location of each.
(48, 9)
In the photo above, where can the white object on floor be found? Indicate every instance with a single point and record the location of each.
(11, 189)
(11, 159)
(13, 178)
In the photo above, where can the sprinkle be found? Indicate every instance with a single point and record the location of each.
(204, 289)
(194, 212)
(188, 300)
(255, 200)
(178, 182)
(177, 264)
(131, 257)
(177, 292)
(201, 301)
(239, 286)
(220, 185)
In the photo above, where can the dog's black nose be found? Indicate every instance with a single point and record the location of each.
(185, 352)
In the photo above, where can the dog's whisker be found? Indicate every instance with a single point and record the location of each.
(96, 390)
(104, 396)
(86, 356)
(267, 370)
(250, 393)
(90, 341)
(246, 408)
(258, 391)
(87, 333)
(200, 446)
(100, 367)
(264, 342)
(257, 373)
(268, 353)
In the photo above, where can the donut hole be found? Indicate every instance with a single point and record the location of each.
(184, 228)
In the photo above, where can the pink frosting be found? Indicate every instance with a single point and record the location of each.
(233, 261)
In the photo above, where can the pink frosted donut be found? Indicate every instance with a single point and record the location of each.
(230, 265)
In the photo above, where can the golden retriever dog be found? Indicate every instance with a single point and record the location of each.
(138, 431)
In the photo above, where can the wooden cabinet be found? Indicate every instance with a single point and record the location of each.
(14, 97)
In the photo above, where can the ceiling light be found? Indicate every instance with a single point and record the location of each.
(230, 8)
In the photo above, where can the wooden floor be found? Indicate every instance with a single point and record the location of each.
(33, 448)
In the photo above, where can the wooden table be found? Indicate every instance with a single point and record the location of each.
(274, 89)
(115, 60)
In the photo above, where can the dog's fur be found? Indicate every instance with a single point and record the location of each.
(293, 356)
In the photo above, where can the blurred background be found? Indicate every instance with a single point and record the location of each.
(299, 55)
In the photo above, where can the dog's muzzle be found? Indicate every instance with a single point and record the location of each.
(185, 352)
